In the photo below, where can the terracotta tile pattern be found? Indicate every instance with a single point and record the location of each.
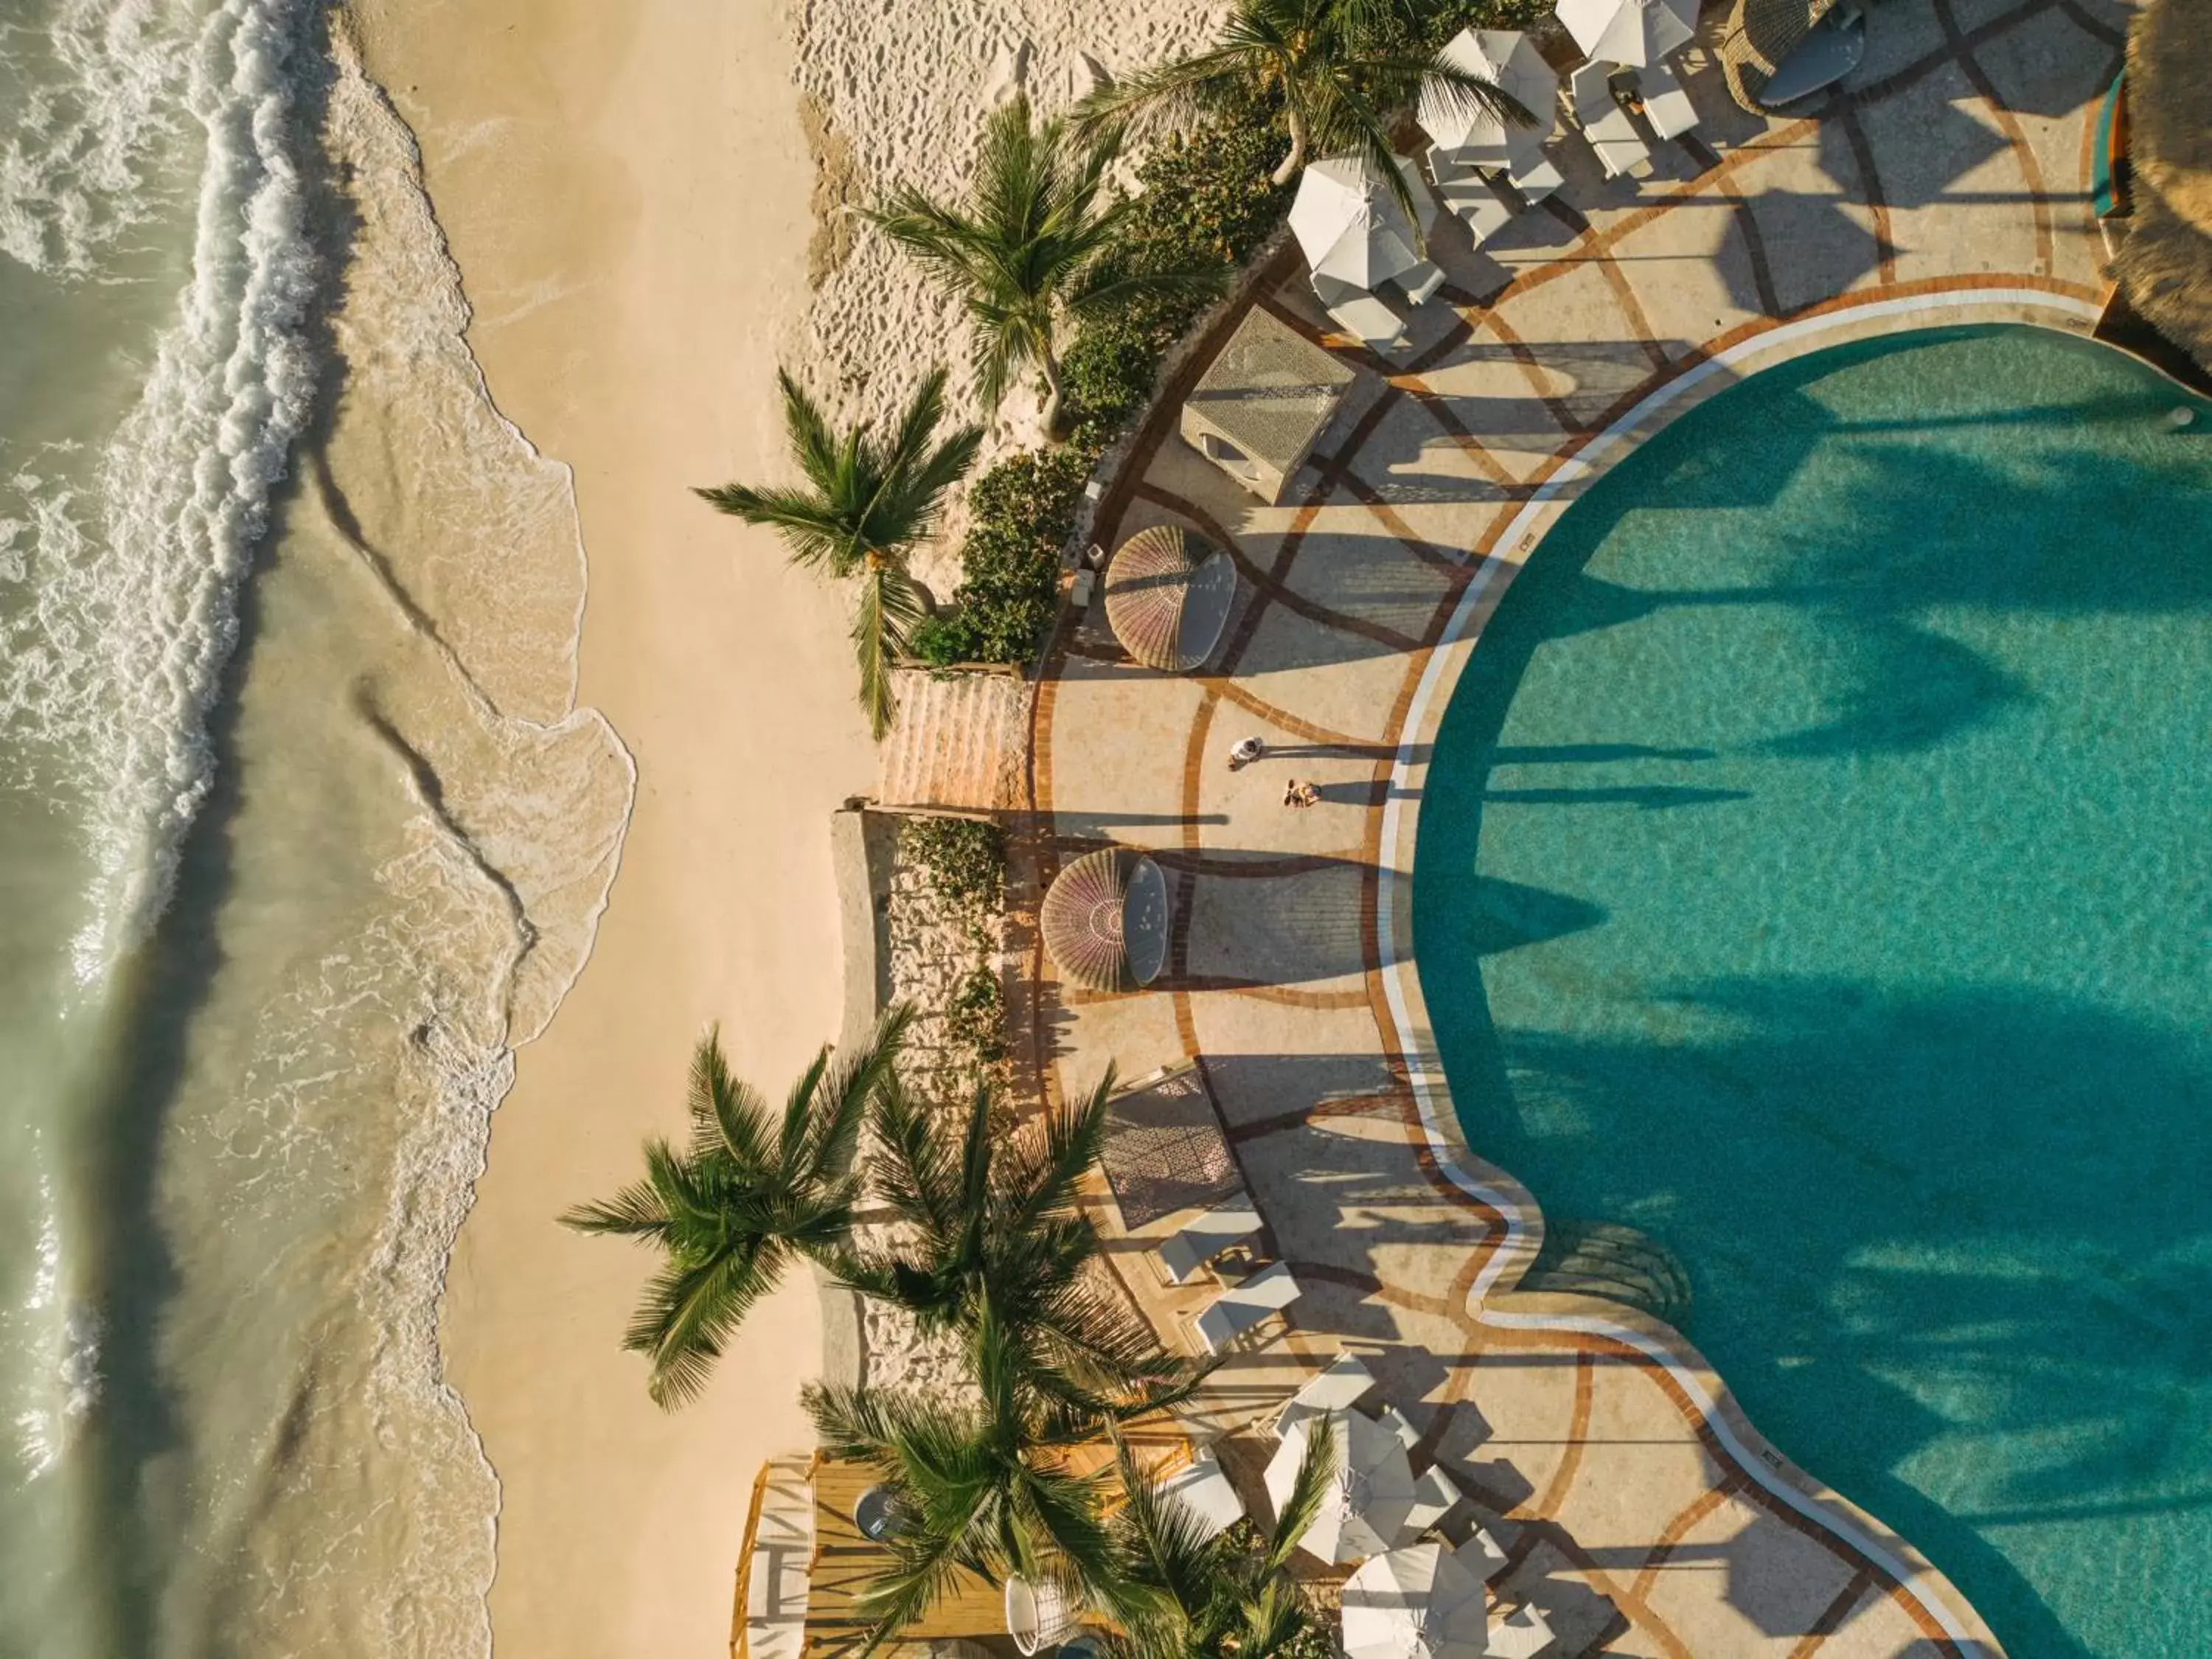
(1638, 1508)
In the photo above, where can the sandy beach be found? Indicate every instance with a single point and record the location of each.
(644, 205)
(625, 191)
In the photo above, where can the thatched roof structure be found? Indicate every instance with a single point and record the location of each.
(1168, 594)
(1104, 920)
(1759, 37)
(2170, 106)
(2164, 263)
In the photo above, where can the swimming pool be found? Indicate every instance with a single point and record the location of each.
(1815, 874)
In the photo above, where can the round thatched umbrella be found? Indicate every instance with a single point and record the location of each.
(2165, 262)
(1105, 921)
(1168, 593)
(1758, 39)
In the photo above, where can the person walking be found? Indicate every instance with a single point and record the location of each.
(1247, 751)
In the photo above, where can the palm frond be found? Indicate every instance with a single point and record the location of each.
(686, 1314)
(1308, 1490)
(635, 1212)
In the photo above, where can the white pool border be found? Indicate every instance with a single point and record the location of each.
(1998, 302)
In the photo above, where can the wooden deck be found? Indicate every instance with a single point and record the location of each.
(846, 1563)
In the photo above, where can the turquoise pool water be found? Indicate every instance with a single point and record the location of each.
(1816, 875)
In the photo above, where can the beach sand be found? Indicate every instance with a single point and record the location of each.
(625, 191)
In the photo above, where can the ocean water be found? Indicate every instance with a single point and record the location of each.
(301, 833)
(1814, 876)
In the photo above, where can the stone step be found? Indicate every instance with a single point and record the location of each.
(961, 740)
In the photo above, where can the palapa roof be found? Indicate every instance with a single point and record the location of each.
(2164, 263)
(1168, 593)
(1758, 40)
(1104, 920)
(1270, 390)
(2170, 106)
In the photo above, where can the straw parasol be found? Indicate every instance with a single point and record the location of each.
(1370, 1497)
(1469, 134)
(1758, 39)
(1349, 225)
(1104, 920)
(1168, 593)
(2165, 263)
(1637, 32)
(1417, 1603)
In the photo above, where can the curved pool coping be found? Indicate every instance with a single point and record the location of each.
(1494, 1188)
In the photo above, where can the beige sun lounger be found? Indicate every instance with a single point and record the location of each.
(1469, 198)
(1536, 179)
(1620, 149)
(1198, 1242)
(1338, 1388)
(1205, 1492)
(1436, 1495)
(1521, 1634)
(1419, 281)
(1665, 105)
(1235, 1312)
(1359, 313)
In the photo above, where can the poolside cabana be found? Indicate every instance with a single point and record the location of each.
(1105, 921)
(1263, 403)
(1168, 597)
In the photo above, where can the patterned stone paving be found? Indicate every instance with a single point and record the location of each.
(1645, 1515)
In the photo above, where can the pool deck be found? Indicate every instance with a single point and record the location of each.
(1646, 1517)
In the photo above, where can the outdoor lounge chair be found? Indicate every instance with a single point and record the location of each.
(1481, 1555)
(1521, 1634)
(1338, 1388)
(1620, 149)
(1205, 1492)
(1468, 196)
(1436, 1495)
(1205, 1238)
(1359, 313)
(1419, 282)
(1235, 1312)
(1665, 105)
(1535, 181)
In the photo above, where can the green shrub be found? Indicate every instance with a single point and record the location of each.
(975, 1018)
(965, 859)
(1009, 590)
(1207, 201)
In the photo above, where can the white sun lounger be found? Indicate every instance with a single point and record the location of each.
(1394, 1420)
(1205, 1492)
(1665, 105)
(1521, 1634)
(1536, 178)
(1338, 1388)
(1359, 313)
(1198, 1242)
(1436, 1495)
(1419, 281)
(1468, 196)
(1620, 149)
(1235, 1312)
(1481, 1555)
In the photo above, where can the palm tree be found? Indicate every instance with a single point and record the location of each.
(994, 1236)
(985, 1484)
(1029, 246)
(1182, 1595)
(865, 505)
(1337, 68)
(731, 1211)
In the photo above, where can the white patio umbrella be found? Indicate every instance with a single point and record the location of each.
(1368, 1500)
(1350, 227)
(1417, 1603)
(1639, 32)
(1470, 134)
